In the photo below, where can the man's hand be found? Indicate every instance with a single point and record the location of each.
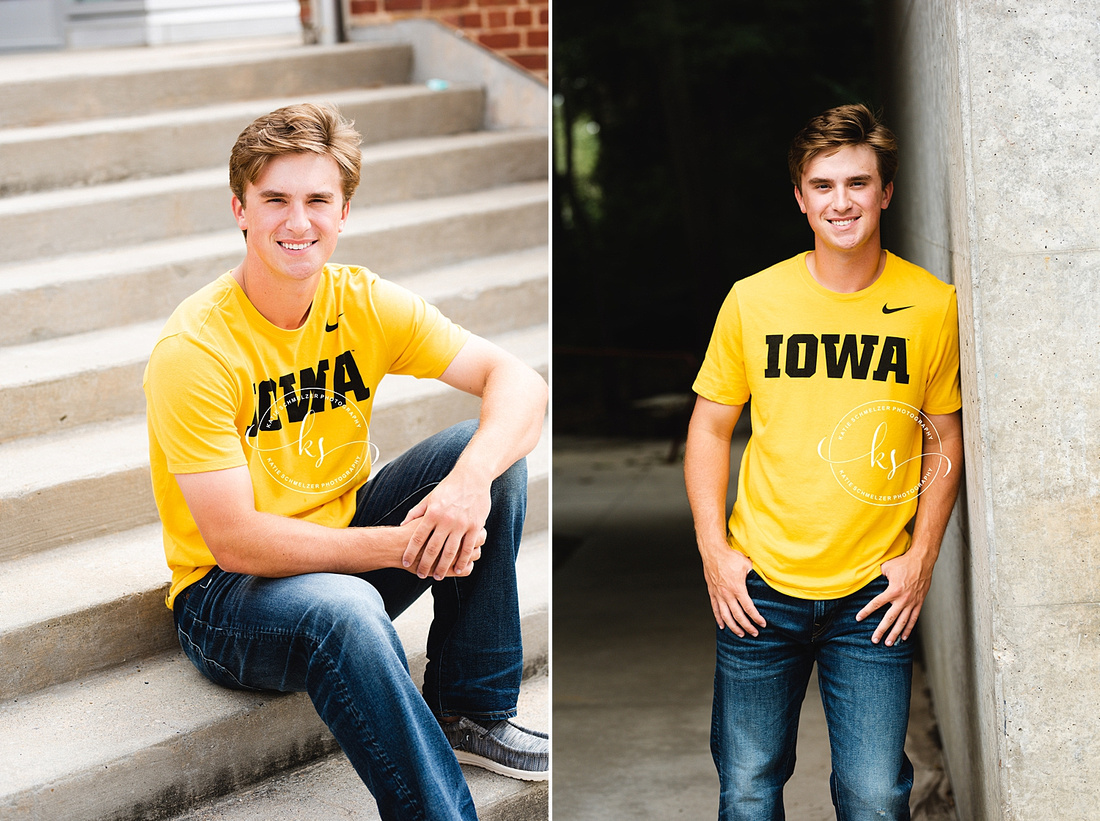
(725, 570)
(909, 577)
(451, 519)
(449, 529)
(706, 476)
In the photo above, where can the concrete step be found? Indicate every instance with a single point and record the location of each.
(80, 379)
(54, 600)
(416, 236)
(112, 588)
(152, 145)
(76, 292)
(37, 89)
(154, 737)
(148, 210)
(102, 471)
(490, 295)
(330, 788)
(63, 383)
(74, 485)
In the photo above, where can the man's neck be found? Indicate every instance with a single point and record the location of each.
(846, 272)
(285, 304)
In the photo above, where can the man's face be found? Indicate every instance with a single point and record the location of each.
(293, 214)
(843, 198)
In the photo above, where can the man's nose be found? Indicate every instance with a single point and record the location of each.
(297, 219)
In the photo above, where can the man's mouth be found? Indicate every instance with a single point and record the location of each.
(844, 223)
(297, 246)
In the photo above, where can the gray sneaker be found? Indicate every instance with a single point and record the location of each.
(500, 746)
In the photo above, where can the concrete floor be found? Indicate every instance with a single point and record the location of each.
(633, 654)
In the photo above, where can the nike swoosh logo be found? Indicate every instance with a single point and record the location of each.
(336, 324)
(886, 310)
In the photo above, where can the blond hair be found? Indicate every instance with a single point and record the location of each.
(842, 126)
(296, 129)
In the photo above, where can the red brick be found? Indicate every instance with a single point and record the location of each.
(532, 62)
(448, 4)
(499, 41)
(404, 5)
(498, 2)
(498, 19)
(364, 6)
(521, 18)
(466, 21)
(539, 38)
(544, 17)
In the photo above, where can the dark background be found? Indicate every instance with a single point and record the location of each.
(672, 121)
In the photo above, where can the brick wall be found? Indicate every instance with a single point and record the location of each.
(518, 30)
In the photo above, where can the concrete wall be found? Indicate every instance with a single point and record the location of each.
(515, 98)
(997, 105)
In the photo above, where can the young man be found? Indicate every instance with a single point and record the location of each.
(850, 357)
(287, 563)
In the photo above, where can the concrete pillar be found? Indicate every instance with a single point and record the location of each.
(997, 106)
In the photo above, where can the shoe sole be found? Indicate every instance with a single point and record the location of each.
(496, 767)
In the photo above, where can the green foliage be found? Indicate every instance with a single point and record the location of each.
(577, 156)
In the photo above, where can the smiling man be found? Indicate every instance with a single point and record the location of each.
(850, 356)
(289, 558)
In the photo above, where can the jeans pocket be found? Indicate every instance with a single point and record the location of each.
(211, 669)
(753, 581)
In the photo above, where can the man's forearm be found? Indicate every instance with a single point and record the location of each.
(706, 477)
(513, 405)
(276, 546)
(245, 540)
(938, 499)
(909, 576)
(707, 468)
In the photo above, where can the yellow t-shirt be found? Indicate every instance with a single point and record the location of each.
(841, 386)
(225, 388)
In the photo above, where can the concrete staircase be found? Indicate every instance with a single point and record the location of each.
(115, 205)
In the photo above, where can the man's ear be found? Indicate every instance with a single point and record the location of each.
(344, 214)
(887, 195)
(798, 196)
(238, 213)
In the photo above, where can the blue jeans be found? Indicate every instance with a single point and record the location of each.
(331, 635)
(759, 687)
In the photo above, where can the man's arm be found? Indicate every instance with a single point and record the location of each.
(910, 575)
(245, 540)
(513, 403)
(706, 476)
